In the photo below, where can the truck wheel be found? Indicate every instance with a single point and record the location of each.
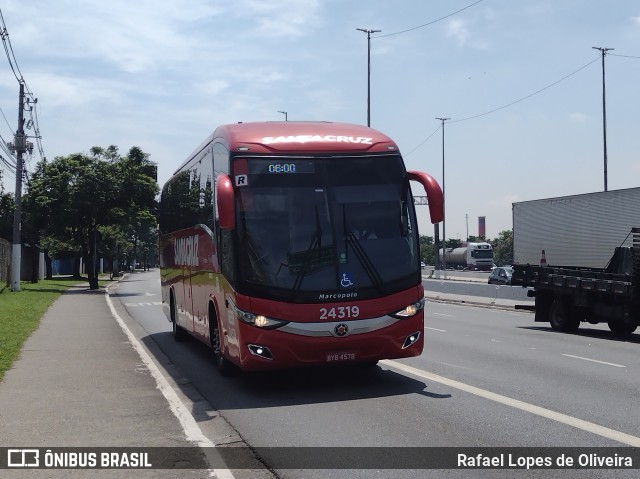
(562, 318)
(621, 328)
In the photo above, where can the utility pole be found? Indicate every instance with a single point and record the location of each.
(604, 113)
(286, 118)
(368, 32)
(20, 145)
(444, 236)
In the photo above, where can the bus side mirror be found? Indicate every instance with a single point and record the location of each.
(434, 194)
(225, 201)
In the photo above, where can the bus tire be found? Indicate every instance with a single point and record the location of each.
(562, 318)
(178, 333)
(225, 367)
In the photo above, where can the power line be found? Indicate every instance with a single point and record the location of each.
(9, 49)
(509, 104)
(429, 23)
(623, 56)
(528, 96)
(31, 101)
(5, 119)
(425, 140)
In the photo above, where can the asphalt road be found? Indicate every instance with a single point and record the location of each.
(487, 378)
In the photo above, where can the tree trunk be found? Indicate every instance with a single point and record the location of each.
(35, 264)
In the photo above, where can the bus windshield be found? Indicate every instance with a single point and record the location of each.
(324, 228)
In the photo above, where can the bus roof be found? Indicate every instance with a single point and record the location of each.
(303, 136)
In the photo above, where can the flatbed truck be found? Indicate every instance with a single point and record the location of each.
(566, 296)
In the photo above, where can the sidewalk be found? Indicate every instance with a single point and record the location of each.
(79, 383)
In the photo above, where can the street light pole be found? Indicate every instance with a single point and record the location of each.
(604, 113)
(368, 32)
(285, 115)
(444, 236)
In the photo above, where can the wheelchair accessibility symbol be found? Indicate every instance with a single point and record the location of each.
(345, 282)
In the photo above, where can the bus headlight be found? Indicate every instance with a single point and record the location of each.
(410, 310)
(258, 320)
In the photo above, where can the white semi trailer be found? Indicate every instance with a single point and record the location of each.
(578, 230)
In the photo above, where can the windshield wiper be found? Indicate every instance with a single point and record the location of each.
(315, 247)
(361, 254)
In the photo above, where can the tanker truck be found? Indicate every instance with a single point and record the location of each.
(474, 256)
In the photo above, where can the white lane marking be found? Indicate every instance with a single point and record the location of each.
(595, 361)
(441, 314)
(531, 408)
(189, 425)
(436, 329)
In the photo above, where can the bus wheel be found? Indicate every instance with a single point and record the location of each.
(225, 366)
(178, 333)
(562, 318)
(622, 328)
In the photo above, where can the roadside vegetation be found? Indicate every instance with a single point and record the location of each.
(92, 205)
(20, 314)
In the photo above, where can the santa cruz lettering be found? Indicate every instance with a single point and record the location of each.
(186, 251)
(363, 140)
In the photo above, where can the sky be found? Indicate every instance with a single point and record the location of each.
(519, 80)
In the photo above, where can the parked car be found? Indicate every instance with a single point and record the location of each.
(422, 265)
(501, 275)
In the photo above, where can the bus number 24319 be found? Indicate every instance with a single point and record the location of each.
(341, 312)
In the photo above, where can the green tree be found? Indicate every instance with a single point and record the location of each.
(503, 248)
(427, 249)
(71, 198)
(454, 243)
(7, 207)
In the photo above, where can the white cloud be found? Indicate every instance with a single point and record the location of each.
(636, 20)
(457, 29)
(578, 117)
(279, 18)
(214, 87)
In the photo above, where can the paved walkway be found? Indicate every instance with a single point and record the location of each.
(80, 383)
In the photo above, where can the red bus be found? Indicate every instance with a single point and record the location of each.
(285, 244)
